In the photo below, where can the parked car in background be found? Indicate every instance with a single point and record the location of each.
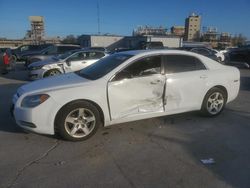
(124, 87)
(2, 50)
(98, 48)
(69, 62)
(203, 51)
(220, 56)
(239, 57)
(150, 45)
(26, 49)
(55, 49)
(121, 49)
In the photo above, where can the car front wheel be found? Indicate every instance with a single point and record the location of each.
(78, 121)
(214, 102)
(52, 72)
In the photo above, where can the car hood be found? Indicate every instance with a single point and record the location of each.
(53, 83)
(44, 62)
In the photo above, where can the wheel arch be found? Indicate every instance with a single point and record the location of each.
(51, 70)
(76, 101)
(223, 88)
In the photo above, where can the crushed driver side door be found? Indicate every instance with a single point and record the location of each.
(137, 89)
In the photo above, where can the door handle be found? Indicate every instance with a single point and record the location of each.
(84, 62)
(203, 76)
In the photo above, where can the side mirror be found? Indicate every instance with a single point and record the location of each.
(68, 62)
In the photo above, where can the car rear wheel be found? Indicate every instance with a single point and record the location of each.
(214, 102)
(78, 121)
(52, 72)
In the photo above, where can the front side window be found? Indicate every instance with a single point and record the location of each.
(143, 67)
(78, 56)
(24, 48)
(182, 63)
(96, 55)
(49, 51)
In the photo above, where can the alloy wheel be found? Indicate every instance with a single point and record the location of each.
(215, 103)
(80, 122)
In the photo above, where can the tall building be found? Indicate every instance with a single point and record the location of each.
(37, 29)
(192, 27)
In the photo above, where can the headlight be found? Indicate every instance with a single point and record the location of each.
(34, 100)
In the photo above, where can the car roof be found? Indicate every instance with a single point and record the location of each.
(75, 45)
(90, 50)
(156, 51)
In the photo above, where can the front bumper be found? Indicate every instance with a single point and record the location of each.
(36, 74)
(39, 119)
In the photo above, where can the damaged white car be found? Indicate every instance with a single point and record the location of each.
(71, 61)
(124, 87)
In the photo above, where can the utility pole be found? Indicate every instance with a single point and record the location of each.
(98, 17)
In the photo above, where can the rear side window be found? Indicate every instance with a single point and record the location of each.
(201, 51)
(97, 55)
(182, 63)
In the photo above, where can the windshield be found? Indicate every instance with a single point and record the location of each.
(103, 66)
(45, 50)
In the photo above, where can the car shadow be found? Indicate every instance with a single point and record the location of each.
(245, 83)
(17, 72)
(7, 123)
(224, 138)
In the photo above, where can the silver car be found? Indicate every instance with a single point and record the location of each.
(69, 62)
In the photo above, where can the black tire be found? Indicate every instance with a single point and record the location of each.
(210, 106)
(62, 127)
(14, 58)
(52, 72)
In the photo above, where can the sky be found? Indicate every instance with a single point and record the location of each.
(64, 17)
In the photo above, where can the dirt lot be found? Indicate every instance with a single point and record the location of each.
(159, 152)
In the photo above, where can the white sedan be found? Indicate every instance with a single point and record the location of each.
(71, 61)
(124, 87)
